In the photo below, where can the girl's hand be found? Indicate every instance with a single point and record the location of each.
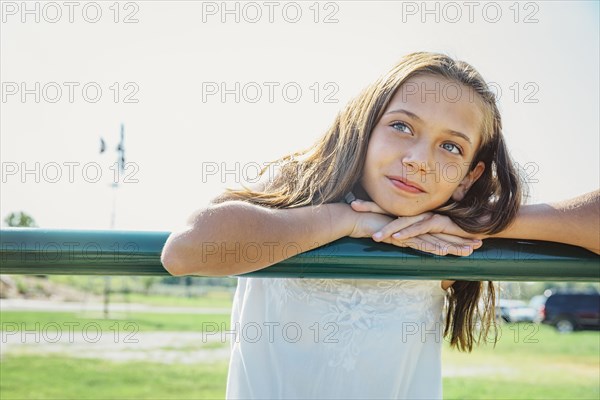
(437, 243)
(367, 223)
(428, 232)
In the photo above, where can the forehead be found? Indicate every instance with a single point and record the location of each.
(439, 101)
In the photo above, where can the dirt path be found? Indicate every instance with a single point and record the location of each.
(125, 345)
(51, 306)
(162, 347)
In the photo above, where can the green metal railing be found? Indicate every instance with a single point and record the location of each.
(113, 252)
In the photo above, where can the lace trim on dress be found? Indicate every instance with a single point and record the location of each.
(357, 308)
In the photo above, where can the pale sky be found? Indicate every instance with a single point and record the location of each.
(180, 50)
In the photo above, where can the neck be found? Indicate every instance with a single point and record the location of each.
(360, 192)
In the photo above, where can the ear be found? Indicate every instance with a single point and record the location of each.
(468, 181)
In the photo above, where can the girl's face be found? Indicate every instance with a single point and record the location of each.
(420, 150)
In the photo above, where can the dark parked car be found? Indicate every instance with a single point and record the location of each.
(571, 311)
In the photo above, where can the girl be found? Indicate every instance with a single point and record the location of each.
(425, 136)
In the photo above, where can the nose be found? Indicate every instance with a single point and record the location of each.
(418, 158)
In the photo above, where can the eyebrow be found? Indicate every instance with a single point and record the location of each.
(416, 117)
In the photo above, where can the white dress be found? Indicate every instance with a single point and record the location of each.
(336, 339)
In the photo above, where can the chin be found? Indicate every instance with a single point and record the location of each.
(401, 211)
(408, 213)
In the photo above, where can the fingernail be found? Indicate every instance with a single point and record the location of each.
(378, 235)
(396, 235)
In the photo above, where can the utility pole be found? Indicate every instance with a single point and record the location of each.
(120, 168)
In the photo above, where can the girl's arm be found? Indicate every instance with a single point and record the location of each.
(575, 221)
(236, 237)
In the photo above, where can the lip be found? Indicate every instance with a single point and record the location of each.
(405, 185)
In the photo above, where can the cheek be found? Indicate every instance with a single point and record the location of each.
(450, 175)
(371, 158)
(373, 168)
(378, 152)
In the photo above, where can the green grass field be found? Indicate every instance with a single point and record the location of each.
(144, 322)
(216, 299)
(28, 377)
(529, 362)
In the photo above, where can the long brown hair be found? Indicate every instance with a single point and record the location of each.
(330, 168)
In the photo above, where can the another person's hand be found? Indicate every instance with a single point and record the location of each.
(428, 232)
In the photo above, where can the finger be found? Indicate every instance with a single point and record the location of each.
(456, 246)
(420, 227)
(367, 206)
(394, 242)
(459, 240)
(397, 225)
(434, 245)
(421, 243)
(413, 242)
(359, 206)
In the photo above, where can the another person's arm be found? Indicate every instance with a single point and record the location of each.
(575, 221)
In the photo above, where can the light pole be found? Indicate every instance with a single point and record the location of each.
(120, 167)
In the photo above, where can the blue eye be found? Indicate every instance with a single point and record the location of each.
(402, 125)
(452, 148)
